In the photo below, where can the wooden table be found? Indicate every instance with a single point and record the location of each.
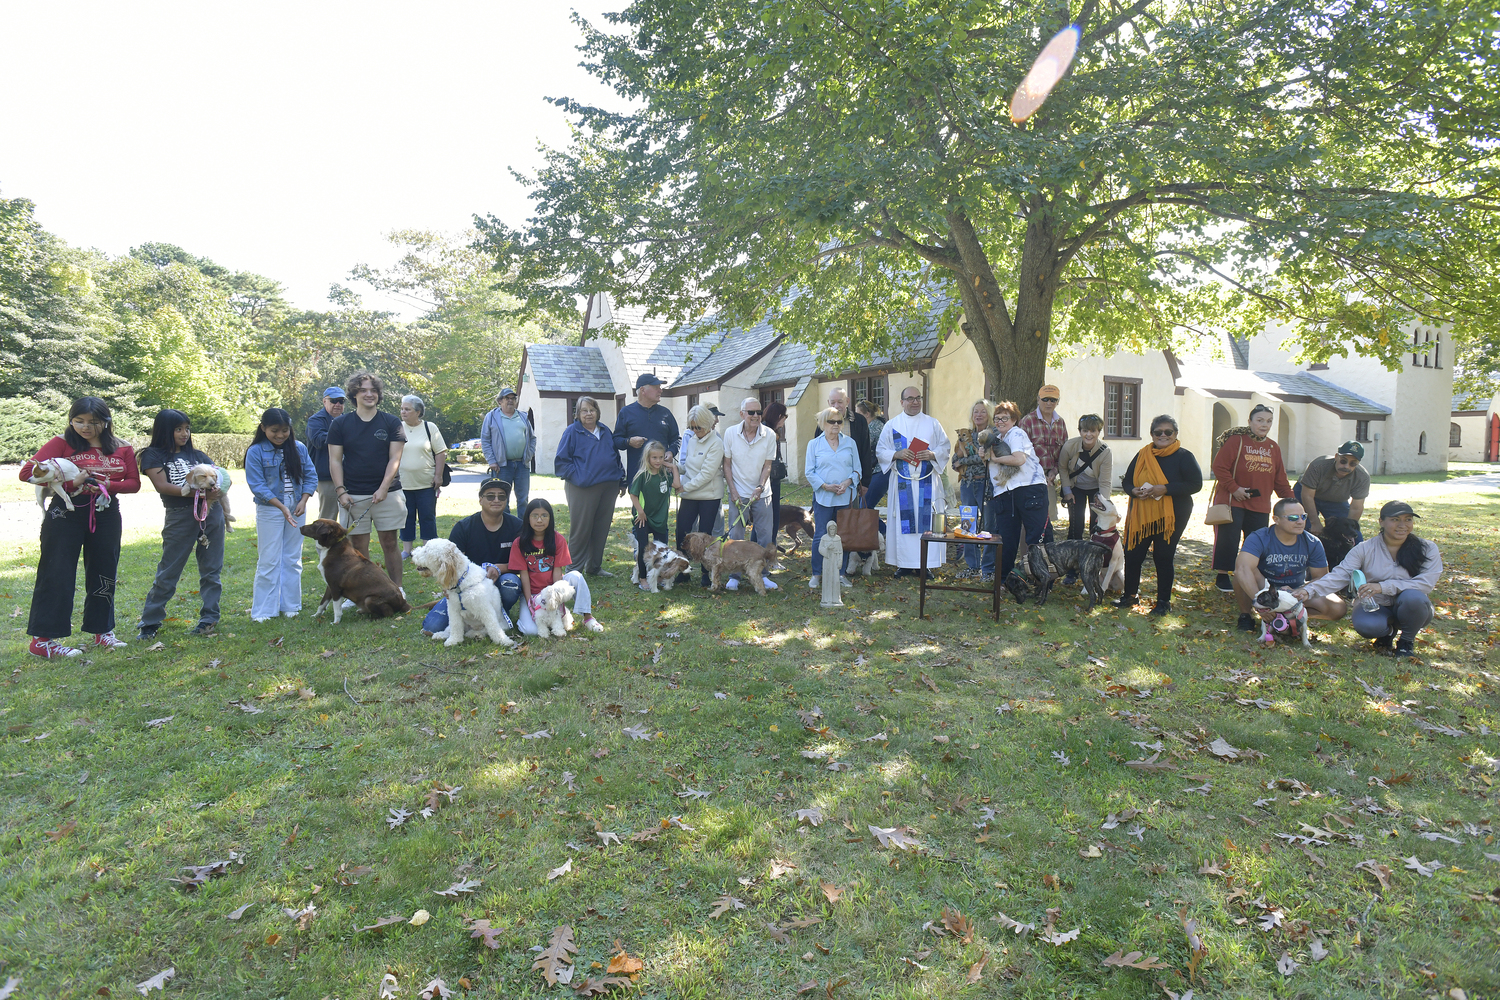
(994, 592)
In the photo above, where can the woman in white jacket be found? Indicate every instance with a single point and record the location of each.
(1399, 571)
(698, 478)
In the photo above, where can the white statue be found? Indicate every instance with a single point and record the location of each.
(832, 550)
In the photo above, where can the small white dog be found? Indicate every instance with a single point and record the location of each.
(208, 477)
(554, 618)
(473, 599)
(663, 564)
(56, 474)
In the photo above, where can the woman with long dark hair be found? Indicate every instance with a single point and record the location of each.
(1247, 469)
(282, 477)
(1399, 570)
(775, 419)
(91, 527)
(166, 462)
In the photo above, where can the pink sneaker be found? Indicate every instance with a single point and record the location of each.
(48, 648)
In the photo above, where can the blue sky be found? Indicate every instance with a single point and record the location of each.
(281, 138)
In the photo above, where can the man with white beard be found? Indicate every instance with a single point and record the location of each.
(913, 451)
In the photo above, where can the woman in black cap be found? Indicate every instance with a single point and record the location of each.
(1398, 569)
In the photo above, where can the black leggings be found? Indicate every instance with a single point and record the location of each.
(1076, 516)
(66, 534)
(1227, 537)
(1163, 551)
(696, 515)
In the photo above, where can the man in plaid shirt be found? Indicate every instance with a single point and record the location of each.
(1048, 432)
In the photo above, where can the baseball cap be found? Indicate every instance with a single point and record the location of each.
(1049, 390)
(505, 390)
(1396, 508)
(715, 410)
(492, 482)
(646, 378)
(334, 392)
(1352, 448)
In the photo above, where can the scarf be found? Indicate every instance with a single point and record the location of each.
(1150, 516)
(913, 493)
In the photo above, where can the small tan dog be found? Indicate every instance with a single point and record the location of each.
(209, 477)
(726, 558)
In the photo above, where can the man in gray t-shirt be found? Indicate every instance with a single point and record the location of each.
(1334, 486)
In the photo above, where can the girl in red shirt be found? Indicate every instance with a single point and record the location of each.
(541, 557)
(1247, 469)
(92, 527)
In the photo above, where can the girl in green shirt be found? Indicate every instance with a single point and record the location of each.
(650, 495)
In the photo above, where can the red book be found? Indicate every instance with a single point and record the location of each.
(918, 446)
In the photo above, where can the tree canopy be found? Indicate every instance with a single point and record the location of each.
(844, 165)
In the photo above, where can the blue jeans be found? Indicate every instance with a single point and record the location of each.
(973, 493)
(420, 505)
(1409, 613)
(876, 493)
(1024, 507)
(518, 474)
(821, 516)
(510, 593)
(1329, 508)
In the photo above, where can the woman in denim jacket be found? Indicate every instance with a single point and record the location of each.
(281, 476)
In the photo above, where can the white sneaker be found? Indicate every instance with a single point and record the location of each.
(289, 614)
(348, 604)
(770, 584)
(733, 583)
(844, 581)
(815, 581)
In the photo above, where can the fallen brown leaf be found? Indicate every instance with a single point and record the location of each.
(556, 960)
(976, 971)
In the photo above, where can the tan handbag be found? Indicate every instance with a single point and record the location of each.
(1222, 513)
(859, 529)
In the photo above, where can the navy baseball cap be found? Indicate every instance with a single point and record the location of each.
(648, 379)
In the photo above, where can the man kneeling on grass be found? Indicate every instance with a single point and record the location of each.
(1284, 555)
(486, 538)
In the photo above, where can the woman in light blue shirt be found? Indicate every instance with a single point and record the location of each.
(832, 469)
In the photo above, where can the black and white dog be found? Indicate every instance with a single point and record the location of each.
(1281, 613)
(1081, 557)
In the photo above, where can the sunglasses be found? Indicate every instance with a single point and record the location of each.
(1163, 434)
(1049, 399)
(832, 422)
(1293, 517)
(494, 498)
(752, 413)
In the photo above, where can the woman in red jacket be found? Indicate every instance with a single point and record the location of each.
(1247, 469)
(92, 527)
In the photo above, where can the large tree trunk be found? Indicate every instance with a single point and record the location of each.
(1011, 348)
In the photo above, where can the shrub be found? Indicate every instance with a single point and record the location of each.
(25, 426)
(227, 450)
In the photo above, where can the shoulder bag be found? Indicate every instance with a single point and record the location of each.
(859, 528)
(447, 469)
(1222, 513)
(778, 467)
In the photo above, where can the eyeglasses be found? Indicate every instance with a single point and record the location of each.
(1293, 517)
(1049, 399)
(910, 399)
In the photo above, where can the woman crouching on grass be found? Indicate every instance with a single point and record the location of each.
(541, 557)
(91, 527)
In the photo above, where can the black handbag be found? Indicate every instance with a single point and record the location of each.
(447, 468)
(778, 467)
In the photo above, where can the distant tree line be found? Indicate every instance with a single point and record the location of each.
(160, 327)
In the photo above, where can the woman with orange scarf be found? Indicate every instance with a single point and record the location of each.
(1161, 480)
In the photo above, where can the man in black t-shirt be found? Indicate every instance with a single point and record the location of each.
(486, 538)
(364, 456)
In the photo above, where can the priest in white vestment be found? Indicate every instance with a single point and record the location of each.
(915, 482)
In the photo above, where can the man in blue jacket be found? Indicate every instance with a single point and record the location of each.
(316, 440)
(645, 420)
(509, 444)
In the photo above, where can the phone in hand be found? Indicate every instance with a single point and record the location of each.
(1252, 492)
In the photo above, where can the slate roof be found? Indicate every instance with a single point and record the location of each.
(568, 368)
(651, 346)
(1466, 401)
(1239, 351)
(1223, 378)
(718, 354)
(796, 361)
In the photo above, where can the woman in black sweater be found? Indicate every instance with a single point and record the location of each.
(1160, 470)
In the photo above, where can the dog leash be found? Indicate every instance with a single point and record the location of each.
(201, 508)
(94, 503)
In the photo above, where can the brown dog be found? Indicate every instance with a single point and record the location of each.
(349, 573)
(794, 521)
(722, 559)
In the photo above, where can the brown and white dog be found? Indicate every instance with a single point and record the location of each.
(350, 573)
(474, 605)
(663, 563)
(723, 559)
(204, 477)
(56, 474)
(795, 522)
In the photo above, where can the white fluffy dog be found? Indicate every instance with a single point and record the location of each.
(473, 599)
(55, 474)
(554, 618)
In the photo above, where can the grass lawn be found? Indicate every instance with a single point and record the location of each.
(1001, 750)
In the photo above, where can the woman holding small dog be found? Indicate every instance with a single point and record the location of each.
(541, 558)
(282, 478)
(698, 478)
(1399, 570)
(1161, 480)
(832, 468)
(1247, 468)
(91, 527)
(1019, 499)
(167, 463)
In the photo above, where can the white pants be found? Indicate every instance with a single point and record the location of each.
(278, 569)
(581, 603)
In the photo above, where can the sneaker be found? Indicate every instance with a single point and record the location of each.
(49, 648)
(1406, 646)
(985, 579)
(769, 583)
(644, 589)
(844, 581)
(108, 641)
(347, 604)
(147, 633)
(815, 581)
(733, 583)
(1246, 623)
(964, 574)
(289, 614)
(204, 628)
(903, 572)
(1383, 643)
(1160, 608)
(406, 557)
(1224, 584)
(604, 573)
(592, 624)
